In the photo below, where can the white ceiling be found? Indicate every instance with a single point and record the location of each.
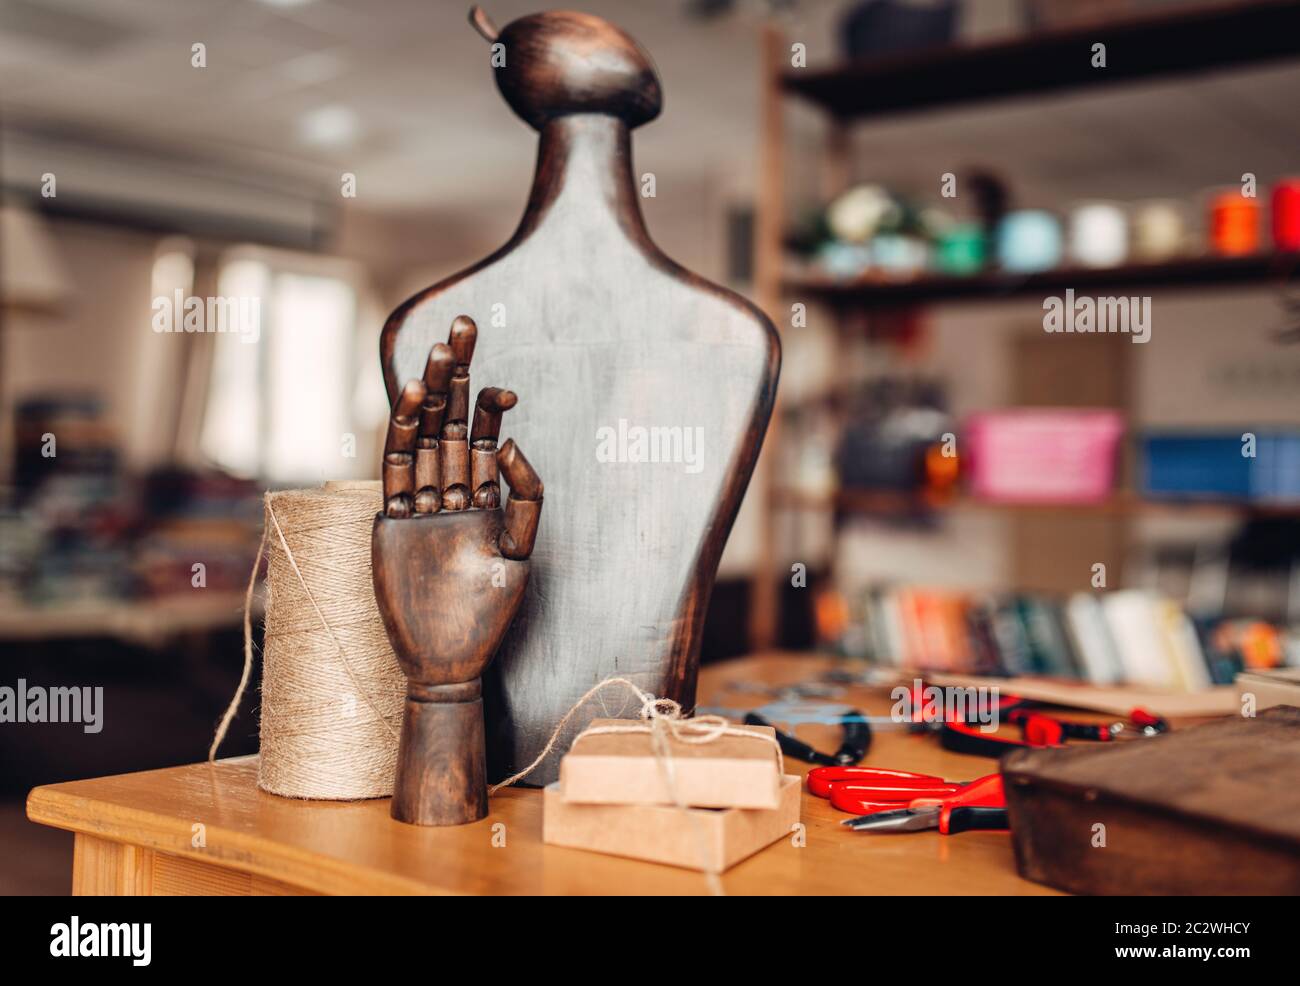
(434, 133)
(433, 128)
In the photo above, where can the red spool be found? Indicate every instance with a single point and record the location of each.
(1234, 224)
(1286, 214)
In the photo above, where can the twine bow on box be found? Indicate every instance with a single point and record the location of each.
(662, 720)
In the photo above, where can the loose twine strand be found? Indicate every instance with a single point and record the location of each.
(233, 707)
(663, 721)
(321, 655)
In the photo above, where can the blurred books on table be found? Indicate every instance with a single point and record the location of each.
(88, 547)
(1127, 636)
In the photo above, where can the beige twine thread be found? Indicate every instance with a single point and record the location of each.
(325, 653)
(664, 722)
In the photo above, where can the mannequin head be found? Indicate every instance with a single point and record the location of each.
(562, 62)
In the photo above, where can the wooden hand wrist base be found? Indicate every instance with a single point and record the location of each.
(441, 768)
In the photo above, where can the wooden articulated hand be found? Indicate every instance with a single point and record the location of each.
(450, 567)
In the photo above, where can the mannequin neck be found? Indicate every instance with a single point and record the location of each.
(583, 185)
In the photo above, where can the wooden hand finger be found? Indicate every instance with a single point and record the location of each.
(491, 405)
(399, 451)
(462, 339)
(437, 379)
(523, 506)
(428, 476)
(455, 431)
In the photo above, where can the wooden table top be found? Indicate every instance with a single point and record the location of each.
(355, 847)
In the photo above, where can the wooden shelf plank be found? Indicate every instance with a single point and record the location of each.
(1198, 272)
(1164, 44)
(145, 621)
(1119, 504)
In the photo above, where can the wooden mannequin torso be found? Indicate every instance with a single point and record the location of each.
(583, 316)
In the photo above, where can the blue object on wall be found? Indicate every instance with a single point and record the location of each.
(1212, 466)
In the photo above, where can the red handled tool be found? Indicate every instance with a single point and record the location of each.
(962, 735)
(1040, 729)
(820, 779)
(981, 804)
(861, 790)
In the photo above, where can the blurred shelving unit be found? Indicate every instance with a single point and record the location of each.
(1190, 274)
(144, 622)
(1166, 43)
(1219, 36)
(1121, 504)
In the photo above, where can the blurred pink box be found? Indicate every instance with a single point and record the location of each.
(1043, 454)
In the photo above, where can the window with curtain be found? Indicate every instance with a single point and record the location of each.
(297, 399)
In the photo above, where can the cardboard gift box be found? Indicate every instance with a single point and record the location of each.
(697, 838)
(622, 769)
(1278, 686)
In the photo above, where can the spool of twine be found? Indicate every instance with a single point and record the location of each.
(332, 690)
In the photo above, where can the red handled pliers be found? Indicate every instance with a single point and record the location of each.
(863, 790)
(981, 804)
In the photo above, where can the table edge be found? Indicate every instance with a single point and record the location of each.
(230, 849)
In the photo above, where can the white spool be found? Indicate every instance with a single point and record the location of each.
(1098, 235)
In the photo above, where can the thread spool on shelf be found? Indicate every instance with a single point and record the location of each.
(1029, 240)
(961, 249)
(1234, 224)
(1159, 230)
(1098, 235)
(332, 690)
(1286, 214)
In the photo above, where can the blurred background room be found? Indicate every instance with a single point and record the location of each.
(903, 186)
